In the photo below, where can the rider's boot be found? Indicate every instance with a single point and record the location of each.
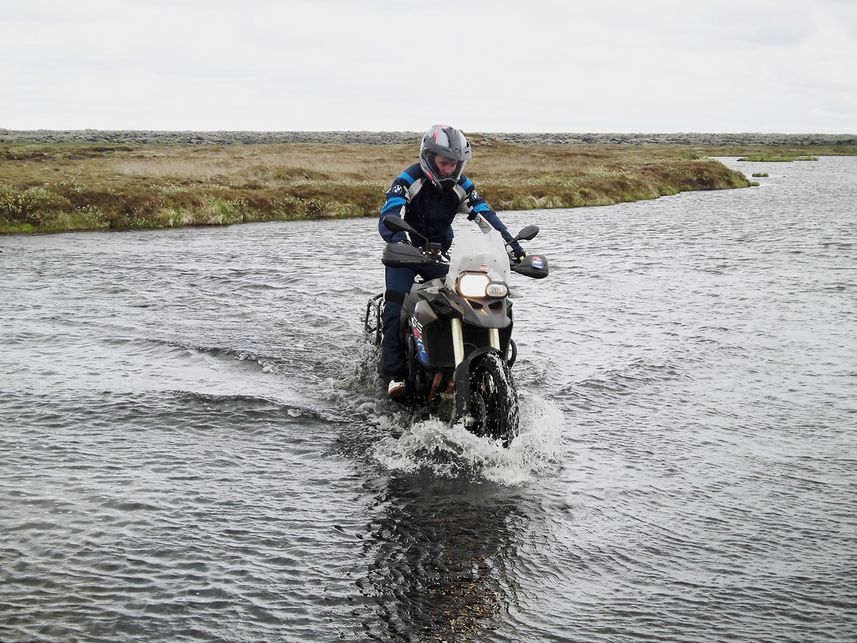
(396, 390)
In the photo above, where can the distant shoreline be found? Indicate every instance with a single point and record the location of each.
(159, 137)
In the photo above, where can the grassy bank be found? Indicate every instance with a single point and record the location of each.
(777, 157)
(94, 186)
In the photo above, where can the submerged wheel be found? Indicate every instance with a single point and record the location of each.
(493, 399)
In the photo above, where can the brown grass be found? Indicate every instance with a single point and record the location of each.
(96, 186)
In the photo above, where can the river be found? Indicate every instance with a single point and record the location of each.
(194, 444)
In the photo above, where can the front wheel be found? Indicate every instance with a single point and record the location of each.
(493, 399)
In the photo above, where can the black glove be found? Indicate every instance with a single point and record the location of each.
(519, 254)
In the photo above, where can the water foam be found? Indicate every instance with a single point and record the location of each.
(452, 451)
(403, 442)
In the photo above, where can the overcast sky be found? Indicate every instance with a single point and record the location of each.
(482, 65)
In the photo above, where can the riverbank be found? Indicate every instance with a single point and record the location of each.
(107, 182)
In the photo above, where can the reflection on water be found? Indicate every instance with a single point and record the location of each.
(441, 558)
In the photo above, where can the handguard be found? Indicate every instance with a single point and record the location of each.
(404, 255)
(535, 266)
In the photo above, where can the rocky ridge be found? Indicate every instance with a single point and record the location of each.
(142, 137)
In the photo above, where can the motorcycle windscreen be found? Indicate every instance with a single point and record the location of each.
(477, 251)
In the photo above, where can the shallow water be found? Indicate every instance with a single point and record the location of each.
(195, 447)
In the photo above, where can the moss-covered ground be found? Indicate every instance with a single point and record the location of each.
(96, 186)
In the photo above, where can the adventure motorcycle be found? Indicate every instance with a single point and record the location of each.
(458, 330)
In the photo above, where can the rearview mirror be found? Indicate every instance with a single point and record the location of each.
(527, 233)
(396, 224)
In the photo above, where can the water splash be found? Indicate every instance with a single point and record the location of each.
(406, 442)
(452, 451)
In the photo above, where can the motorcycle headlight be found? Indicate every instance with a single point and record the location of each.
(478, 284)
(473, 284)
(497, 290)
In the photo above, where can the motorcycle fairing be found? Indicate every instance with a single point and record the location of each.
(417, 330)
(434, 345)
(486, 312)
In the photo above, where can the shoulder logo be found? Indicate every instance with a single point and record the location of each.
(397, 189)
(474, 195)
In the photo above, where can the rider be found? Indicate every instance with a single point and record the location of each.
(428, 195)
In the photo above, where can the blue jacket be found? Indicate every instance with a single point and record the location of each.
(414, 197)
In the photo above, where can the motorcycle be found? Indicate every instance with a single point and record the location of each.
(458, 330)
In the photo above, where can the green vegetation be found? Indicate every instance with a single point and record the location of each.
(759, 174)
(93, 186)
(777, 157)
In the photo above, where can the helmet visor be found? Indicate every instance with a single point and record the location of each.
(445, 168)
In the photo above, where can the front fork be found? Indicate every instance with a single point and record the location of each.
(458, 339)
(459, 400)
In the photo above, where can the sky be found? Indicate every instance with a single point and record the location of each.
(402, 65)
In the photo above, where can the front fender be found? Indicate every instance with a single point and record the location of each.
(462, 380)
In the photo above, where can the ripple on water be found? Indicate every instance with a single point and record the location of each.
(195, 444)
